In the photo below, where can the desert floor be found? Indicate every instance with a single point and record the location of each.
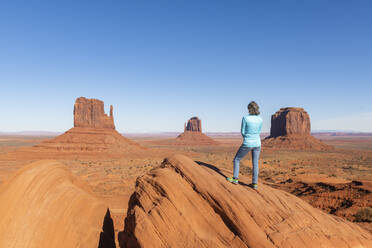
(338, 181)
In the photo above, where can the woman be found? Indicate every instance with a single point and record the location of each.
(250, 130)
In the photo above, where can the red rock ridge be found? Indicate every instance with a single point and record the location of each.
(185, 204)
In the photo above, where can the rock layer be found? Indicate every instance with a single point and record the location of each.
(296, 142)
(184, 204)
(290, 128)
(90, 140)
(91, 113)
(44, 205)
(194, 138)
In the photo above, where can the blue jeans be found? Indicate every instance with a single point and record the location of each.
(243, 150)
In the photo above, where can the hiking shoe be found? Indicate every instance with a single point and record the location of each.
(254, 185)
(232, 180)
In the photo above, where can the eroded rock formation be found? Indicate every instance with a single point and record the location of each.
(290, 121)
(193, 125)
(184, 204)
(290, 128)
(193, 136)
(91, 113)
(44, 205)
(93, 132)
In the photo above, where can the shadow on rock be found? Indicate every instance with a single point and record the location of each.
(126, 238)
(107, 236)
(212, 167)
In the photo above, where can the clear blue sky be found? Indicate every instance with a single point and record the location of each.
(161, 62)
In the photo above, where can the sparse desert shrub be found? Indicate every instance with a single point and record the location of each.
(245, 170)
(364, 215)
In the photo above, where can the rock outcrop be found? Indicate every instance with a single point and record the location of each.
(193, 125)
(193, 136)
(290, 128)
(90, 113)
(44, 205)
(184, 204)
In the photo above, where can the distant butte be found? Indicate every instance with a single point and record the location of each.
(193, 135)
(91, 113)
(290, 121)
(193, 125)
(290, 128)
(93, 132)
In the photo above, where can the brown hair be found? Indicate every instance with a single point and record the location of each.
(253, 108)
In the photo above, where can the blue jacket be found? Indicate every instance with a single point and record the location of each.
(250, 130)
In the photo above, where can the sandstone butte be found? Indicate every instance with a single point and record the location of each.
(90, 113)
(93, 133)
(290, 128)
(44, 205)
(185, 204)
(193, 135)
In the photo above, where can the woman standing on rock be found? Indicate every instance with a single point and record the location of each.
(250, 130)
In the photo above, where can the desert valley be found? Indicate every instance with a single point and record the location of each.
(93, 187)
(185, 124)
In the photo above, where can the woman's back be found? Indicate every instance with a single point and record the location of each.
(251, 129)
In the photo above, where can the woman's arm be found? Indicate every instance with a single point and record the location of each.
(243, 127)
